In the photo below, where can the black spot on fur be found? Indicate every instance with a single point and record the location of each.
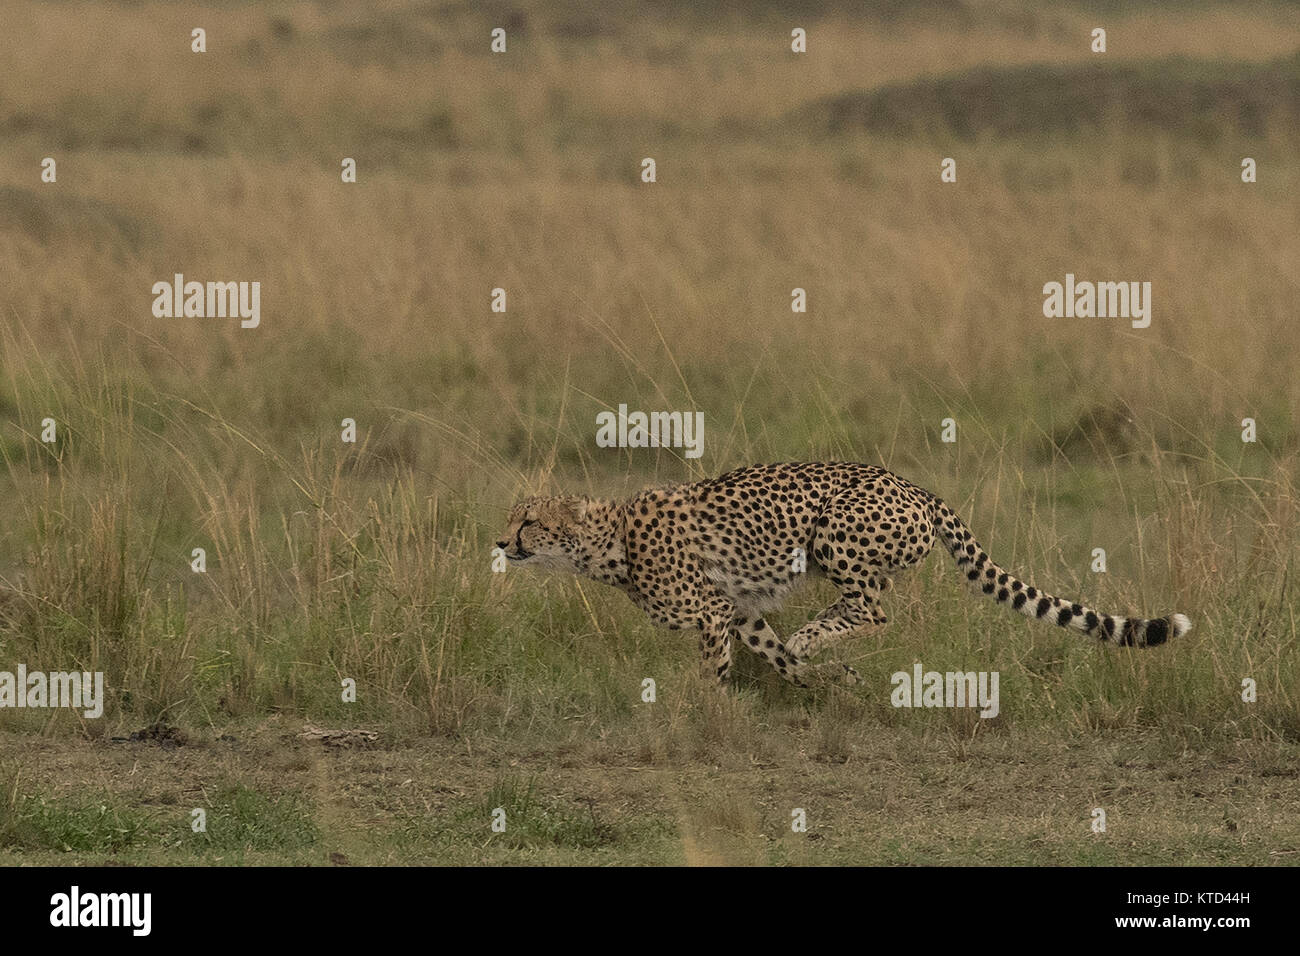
(1043, 606)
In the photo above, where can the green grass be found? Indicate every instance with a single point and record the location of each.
(32, 823)
(239, 818)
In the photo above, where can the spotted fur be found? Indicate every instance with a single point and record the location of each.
(718, 554)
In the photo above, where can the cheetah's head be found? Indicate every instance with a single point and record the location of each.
(548, 532)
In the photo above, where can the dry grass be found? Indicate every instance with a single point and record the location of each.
(329, 561)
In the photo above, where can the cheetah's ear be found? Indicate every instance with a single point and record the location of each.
(577, 507)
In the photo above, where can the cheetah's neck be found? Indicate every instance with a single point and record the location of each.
(604, 556)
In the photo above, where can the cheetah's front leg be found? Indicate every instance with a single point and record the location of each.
(715, 645)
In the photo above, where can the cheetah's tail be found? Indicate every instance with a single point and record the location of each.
(982, 573)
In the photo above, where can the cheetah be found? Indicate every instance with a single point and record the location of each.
(720, 553)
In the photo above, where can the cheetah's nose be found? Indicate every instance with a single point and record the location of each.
(502, 544)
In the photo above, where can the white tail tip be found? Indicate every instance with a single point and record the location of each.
(1181, 624)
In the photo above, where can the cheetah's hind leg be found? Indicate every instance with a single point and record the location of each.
(854, 610)
(757, 635)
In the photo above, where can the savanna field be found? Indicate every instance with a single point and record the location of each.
(329, 561)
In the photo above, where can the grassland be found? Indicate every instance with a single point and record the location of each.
(370, 561)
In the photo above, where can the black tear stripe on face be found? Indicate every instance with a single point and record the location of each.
(519, 537)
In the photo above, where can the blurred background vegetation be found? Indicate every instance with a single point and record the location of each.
(521, 171)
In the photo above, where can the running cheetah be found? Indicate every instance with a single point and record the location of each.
(719, 553)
